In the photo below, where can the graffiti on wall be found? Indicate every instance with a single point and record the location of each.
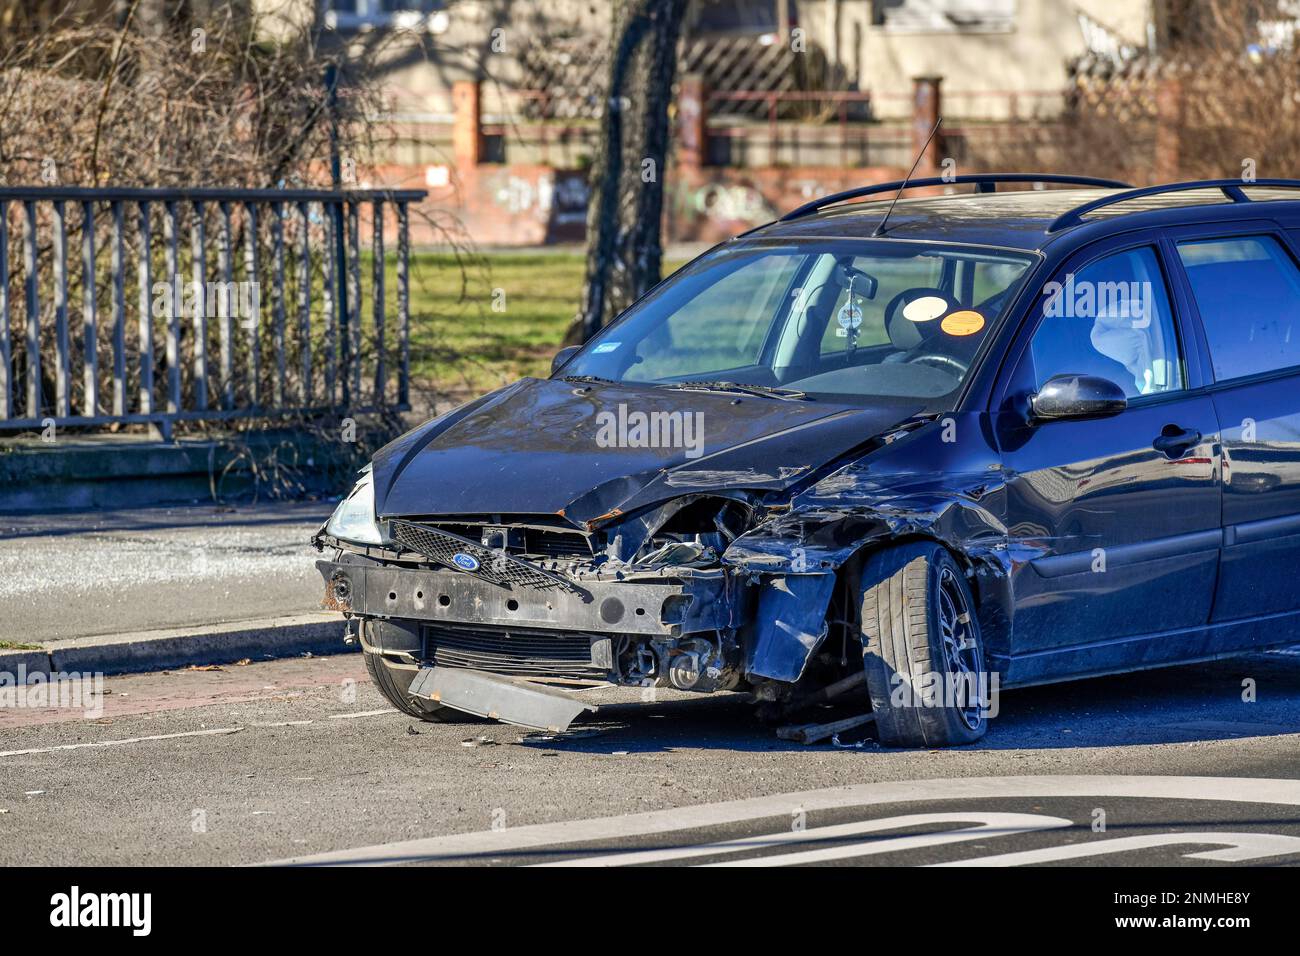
(729, 203)
(556, 196)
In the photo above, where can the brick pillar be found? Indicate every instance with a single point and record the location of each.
(692, 122)
(1169, 125)
(926, 110)
(467, 125)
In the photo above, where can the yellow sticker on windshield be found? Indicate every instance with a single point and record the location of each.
(965, 322)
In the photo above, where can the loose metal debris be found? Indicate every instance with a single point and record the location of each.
(813, 733)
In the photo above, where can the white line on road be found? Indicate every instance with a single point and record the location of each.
(1248, 790)
(118, 743)
(1237, 848)
(188, 733)
(988, 825)
(993, 825)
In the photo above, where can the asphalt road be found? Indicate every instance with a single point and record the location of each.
(113, 572)
(302, 760)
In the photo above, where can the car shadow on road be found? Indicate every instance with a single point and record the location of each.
(718, 721)
(1253, 696)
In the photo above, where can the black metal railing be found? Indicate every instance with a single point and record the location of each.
(145, 351)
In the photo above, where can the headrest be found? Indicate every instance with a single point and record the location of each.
(913, 316)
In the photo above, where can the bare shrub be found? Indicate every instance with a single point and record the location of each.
(1219, 98)
(148, 94)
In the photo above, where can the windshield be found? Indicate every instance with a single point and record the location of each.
(849, 321)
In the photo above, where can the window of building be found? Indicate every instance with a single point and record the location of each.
(352, 14)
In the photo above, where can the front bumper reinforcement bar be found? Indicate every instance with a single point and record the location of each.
(499, 698)
(657, 608)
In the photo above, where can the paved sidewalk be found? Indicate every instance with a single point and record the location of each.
(115, 572)
(143, 589)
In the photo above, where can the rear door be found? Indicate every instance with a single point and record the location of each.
(1114, 523)
(1244, 283)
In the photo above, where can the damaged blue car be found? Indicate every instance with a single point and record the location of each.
(894, 453)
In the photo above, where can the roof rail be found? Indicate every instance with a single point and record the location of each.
(1232, 190)
(985, 183)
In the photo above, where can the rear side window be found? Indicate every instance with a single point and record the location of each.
(1248, 292)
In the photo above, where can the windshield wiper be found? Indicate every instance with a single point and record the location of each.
(587, 379)
(766, 391)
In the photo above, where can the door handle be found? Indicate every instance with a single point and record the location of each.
(1175, 441)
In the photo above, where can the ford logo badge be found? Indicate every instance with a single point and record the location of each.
(466, 562)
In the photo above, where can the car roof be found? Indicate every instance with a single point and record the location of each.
(1020, 219)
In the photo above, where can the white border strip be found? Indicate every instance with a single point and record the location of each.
(444, 848)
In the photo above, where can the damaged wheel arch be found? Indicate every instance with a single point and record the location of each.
(792, 621)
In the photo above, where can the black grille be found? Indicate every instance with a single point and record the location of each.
(555, 544)
(539, 542)
(518, 652)
(495, 566)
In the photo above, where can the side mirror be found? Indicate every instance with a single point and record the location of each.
(562, 357)
(1076, 397)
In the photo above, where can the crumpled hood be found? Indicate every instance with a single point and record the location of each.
(543, 446)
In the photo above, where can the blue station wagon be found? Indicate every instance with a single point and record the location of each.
(898, 453)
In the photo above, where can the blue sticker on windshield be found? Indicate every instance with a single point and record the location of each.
(604, 347)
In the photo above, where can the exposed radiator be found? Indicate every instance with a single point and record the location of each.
(518, 652)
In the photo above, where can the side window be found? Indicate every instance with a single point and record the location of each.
(1248, 293)
(990, 283)
(1112, 319)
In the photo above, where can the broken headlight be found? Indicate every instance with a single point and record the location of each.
(354, 519)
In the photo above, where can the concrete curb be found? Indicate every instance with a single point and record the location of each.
(132, 471)
(19, 663)
(291, 636)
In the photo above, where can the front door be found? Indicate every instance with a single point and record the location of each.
(1114, 523)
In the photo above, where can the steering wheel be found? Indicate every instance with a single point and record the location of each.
(939, 360)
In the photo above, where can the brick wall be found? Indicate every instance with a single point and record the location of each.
(528, 204)
(534, 205)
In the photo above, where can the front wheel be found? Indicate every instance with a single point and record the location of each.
(921, 648)
(394, 681)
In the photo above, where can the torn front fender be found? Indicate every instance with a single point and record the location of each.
(789, 626)
(854, 510)
(837, 517)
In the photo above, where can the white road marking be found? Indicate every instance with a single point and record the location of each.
(989, 825)
(118, 743)
(1238, 847)
(1248, 790)
(188, 733)
(994, 825)
(363, 713)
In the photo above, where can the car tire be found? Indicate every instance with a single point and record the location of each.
(919, 628)
(394, 682)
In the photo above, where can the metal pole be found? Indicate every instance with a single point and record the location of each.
(340, 240)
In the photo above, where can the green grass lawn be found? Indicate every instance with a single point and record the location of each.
(482, 323)
(461, 345)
